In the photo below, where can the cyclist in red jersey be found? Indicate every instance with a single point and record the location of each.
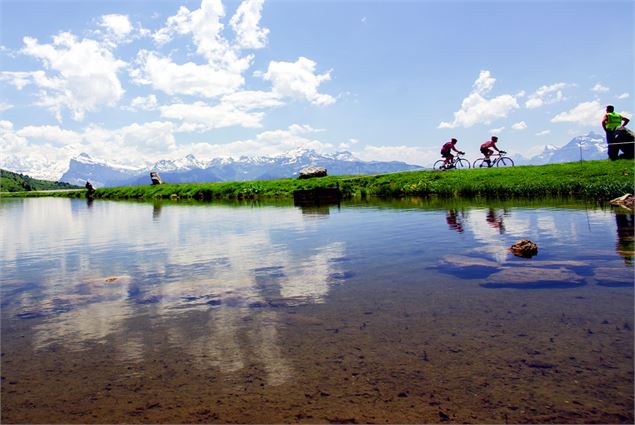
(485, 149)
(445, 151)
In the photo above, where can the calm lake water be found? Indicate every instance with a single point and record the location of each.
(394, 311)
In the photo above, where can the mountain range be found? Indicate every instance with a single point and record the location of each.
(192, 170)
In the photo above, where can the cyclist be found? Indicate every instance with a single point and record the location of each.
(447, 155)
(485, 149)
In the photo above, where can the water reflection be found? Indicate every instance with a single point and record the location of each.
(105, 273)
(625, 238)
(495, 219)
(455, 220)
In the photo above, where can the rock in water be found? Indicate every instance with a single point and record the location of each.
(626, 201)
(524, 248)
(310, 172)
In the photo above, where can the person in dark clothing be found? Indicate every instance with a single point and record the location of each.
(611, 121)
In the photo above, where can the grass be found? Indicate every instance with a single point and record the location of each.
(591, 180)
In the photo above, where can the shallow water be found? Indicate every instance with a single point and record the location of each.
(400, 311)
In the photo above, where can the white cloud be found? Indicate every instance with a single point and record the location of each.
(117, 26)
(599, 88)
(245, 24)
(51, 134)
(5, 106)
(476, 109)
(199, 116)
(496, 130)
(543, 133)
(624, 95)
(186, 79)
(206, 29)
(268, 143)
(144, 103)
(585, 113)
(519, 125)
(546, 95)
(85, 75)
(297, 80)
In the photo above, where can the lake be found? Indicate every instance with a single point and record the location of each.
(395, 311)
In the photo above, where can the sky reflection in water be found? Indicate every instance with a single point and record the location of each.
(84, 272)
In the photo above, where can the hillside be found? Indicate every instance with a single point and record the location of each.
(13, 182)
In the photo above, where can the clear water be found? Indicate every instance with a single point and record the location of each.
(105, 294)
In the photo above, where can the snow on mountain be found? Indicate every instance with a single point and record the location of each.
(190, 169)
(187, 163)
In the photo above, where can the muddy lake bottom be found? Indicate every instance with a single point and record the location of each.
(407, 353)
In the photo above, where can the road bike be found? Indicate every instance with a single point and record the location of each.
(497, 160)
(457, 162)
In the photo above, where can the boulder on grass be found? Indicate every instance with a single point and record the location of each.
(154, 176)
(310, 172)
(524, 248)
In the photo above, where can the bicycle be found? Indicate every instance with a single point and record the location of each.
(499, 161)
(457, 162)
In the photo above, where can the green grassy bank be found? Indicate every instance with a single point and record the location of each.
(593, 180)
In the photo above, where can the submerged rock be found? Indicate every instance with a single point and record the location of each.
(534, 276)
(464, 261)
(524, 248)
(614, 276)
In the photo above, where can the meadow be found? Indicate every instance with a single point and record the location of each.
(591, 180)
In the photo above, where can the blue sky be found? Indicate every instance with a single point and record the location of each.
(131, 82)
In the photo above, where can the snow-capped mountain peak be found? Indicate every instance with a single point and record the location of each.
(186, 163)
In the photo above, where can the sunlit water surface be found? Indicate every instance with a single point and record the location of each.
(402, 311)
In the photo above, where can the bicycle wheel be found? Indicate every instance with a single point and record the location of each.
(480, 163)
(438, 165)
(462, 163)
(505, 161)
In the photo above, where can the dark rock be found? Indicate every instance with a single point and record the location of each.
(524, 248)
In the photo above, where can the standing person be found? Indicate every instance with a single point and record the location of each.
(610, 122)
(485, 149)
(447, 155)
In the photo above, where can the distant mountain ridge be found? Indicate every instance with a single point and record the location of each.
(582, 148)
(192, 170)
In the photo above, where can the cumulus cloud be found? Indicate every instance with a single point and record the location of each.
(546, 95)
(117, 27)
(600, 88)
(477, 109)
(49, 134)
(81, 77)
(267, 143)
(624, 95)
(236, 109)
(184, 79)
(245, 24)
(585, 113)
(297, 80)
(199, 116)
(519, 125)
(144, 103)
